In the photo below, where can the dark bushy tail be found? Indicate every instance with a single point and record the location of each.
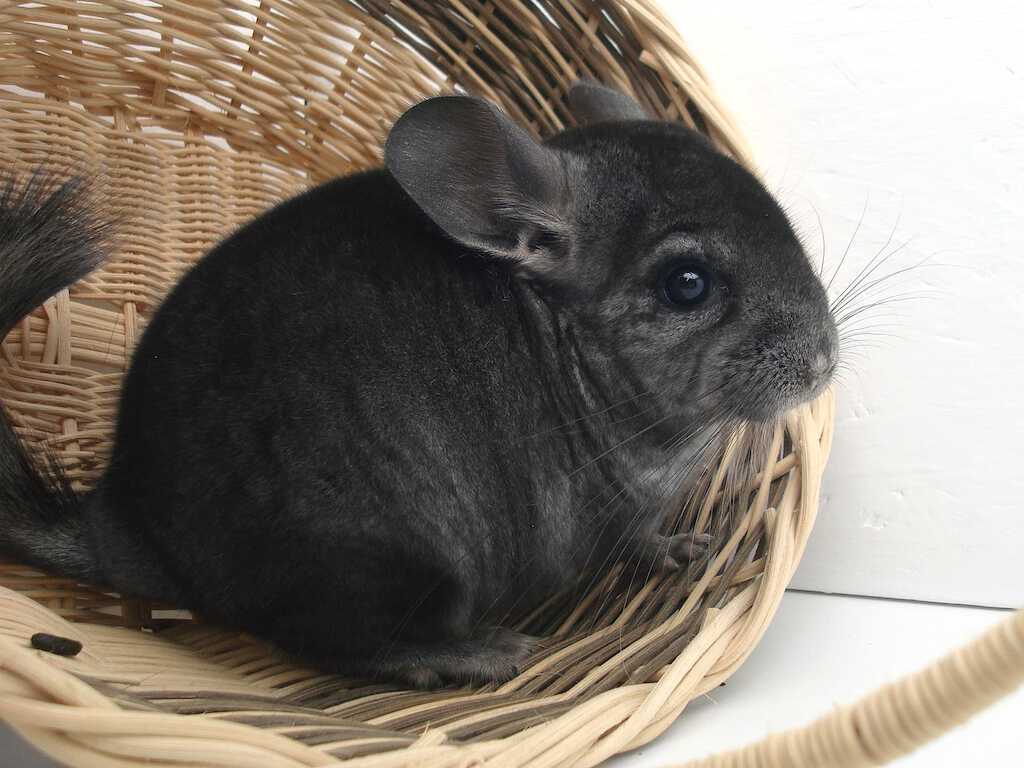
(48, 240)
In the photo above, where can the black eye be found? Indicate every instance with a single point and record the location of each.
(687, 285)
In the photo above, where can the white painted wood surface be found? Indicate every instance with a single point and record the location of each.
(912, 113)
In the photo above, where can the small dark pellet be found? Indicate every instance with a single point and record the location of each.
(62, 646)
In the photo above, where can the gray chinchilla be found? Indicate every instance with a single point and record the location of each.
(371, 420)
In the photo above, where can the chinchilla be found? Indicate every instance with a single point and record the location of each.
(377, 416)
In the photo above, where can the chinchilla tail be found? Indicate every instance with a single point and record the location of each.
(49, 239)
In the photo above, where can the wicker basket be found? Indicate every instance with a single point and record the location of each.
(196, 116)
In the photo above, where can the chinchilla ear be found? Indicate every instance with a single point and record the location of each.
(483, 179)
(591, 102)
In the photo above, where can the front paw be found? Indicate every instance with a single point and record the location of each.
(671, 552)
(689, 547)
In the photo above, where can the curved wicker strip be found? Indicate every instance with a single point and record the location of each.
(194, 117)
(901, 716)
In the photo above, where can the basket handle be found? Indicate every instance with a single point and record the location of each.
(899, 717)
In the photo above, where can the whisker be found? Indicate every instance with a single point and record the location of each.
(623, 442)
(611, 407)
(821, 230)
(733, 481)
(635, 435)
(716, 425)
(750, 437)
(706, 470)
(616, 550)
(601, 510)
(631, 529)
(848, 245)
(838, 305)
(898, 299)
(871, 264)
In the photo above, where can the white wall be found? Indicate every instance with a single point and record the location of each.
(916, 108)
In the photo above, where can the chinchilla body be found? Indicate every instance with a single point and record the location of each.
(388, 412)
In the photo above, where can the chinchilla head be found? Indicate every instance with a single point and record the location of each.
(673, 262)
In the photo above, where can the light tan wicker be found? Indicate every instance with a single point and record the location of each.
(195, 116)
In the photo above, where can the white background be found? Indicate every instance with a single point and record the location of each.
(916, 110)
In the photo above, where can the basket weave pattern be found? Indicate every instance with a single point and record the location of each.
(196, 116)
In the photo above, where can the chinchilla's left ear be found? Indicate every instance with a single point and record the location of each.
(484, 180)
(591, 102)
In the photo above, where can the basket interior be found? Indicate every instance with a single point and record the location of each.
(195, 117)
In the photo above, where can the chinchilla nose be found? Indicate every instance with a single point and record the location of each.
(819, 365)
(825, 358)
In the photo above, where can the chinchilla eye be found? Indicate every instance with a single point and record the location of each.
(686, 285)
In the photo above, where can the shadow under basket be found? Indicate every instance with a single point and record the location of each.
(195, 117)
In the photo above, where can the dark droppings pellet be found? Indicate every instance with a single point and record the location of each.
(62, 646)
